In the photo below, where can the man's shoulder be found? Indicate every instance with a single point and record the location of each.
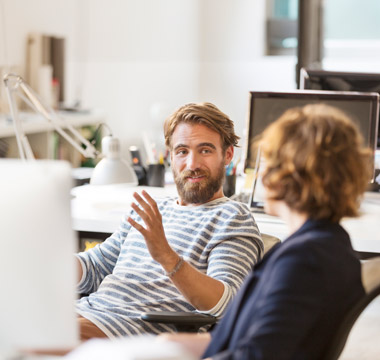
(234, 206)
(166, 202)
(219, 205)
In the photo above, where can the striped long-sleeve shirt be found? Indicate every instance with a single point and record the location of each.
(219, 238)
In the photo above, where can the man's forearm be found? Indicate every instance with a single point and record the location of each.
(202, 291)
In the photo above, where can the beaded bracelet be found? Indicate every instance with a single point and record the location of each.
(176, 267)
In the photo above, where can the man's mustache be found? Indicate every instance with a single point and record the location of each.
(193, 173)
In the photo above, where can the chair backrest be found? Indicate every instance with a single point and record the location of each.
(269, 241)
(371, 274)
(371, 284)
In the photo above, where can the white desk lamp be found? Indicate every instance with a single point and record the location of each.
(110, 170)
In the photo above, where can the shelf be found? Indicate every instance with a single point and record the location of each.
(44, 141)
(33, 123)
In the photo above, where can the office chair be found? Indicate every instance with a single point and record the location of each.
(183, 321)
(371, 284)
(192, 321)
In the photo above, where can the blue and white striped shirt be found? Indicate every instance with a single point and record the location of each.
(219, 238)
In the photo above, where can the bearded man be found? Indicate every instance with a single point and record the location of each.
(189, 253)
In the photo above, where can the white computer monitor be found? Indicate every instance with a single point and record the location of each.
(38, 287)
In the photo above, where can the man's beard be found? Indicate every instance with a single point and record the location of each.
(198, 192)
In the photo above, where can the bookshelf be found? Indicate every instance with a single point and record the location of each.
(45, 143)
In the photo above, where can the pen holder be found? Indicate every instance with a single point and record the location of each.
(229, 185)
(156, 175)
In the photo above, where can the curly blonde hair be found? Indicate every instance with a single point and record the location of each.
(316, 162)
(206, 114)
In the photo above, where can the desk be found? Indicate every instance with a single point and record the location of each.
(364, 230)
(99, 209)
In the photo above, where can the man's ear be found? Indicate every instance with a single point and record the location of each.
(229, 155)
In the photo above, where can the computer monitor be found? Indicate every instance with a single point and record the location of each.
(266, 106)
(341, 81)
(38, 273)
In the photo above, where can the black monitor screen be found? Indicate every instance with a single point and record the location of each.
(266, 107)
(341, 81)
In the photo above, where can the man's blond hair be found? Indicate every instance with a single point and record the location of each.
(206, 114)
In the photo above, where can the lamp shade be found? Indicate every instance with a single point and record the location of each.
(112, 169)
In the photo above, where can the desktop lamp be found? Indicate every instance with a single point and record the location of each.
(110, 170)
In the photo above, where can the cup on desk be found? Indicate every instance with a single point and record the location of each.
(156, 175)
(229, 185)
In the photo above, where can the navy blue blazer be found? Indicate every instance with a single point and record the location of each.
(292, 303)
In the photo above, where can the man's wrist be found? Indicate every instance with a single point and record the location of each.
(170, 262)
(176, 268)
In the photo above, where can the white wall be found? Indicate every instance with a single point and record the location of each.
(232, 63)
(142, 62)
(150, 57)
(140, 59)
(18, 17)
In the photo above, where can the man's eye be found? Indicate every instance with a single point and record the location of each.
(181, 152)
(205, 151)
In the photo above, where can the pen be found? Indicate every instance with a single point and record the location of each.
(229, 168)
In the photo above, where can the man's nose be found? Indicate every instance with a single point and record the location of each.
(193, 161)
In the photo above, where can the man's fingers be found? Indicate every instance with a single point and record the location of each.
(142, 202)
(151, 202)
(148, 211)
(136, 225)
(141, 212)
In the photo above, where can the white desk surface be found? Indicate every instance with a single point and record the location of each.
(100, 209)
